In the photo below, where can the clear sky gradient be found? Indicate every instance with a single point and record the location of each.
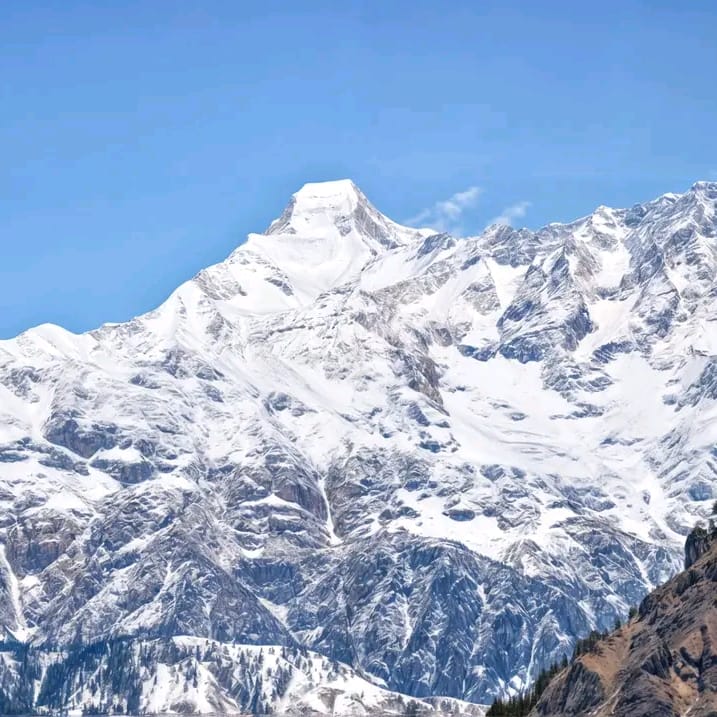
(142, 140)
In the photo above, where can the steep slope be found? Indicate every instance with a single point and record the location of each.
(197, 676)
(436, 460)
(661, 664)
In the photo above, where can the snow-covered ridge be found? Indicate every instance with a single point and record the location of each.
(186, 674)
(434, 460)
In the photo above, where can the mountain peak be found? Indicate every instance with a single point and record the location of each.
(336, 209)
(704, 184)
(705, 190)
(329, 191)
(319, 205)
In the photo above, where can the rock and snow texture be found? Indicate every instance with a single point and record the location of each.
(199, 676)
(434, 460)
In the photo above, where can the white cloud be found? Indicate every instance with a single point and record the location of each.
(445, 215)
(511, 214)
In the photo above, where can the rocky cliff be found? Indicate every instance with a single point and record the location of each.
(663, 663)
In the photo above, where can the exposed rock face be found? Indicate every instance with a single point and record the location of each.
(662, 663)
(434, 460)
(699, 542)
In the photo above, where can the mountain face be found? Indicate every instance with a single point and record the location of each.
(661, 664)
(434, 461)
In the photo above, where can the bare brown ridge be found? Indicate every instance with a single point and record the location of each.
(663, 663)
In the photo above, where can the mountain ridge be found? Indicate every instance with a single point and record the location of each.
(435, 460)
(345, 188)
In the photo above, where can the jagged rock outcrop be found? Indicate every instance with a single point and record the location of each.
(699, 542)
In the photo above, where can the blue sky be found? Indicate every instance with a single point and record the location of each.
(140, 141)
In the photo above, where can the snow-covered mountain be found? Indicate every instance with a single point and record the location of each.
(433, 460)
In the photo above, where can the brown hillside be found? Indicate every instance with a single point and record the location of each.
(662, 664)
